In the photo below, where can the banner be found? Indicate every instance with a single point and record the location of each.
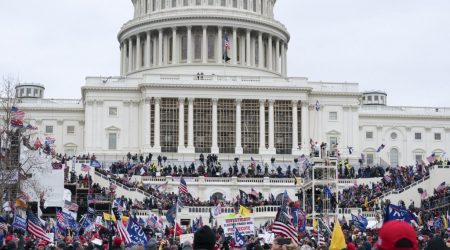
(187, 237)
(137, 236)
(393, 212)
(245, 226)
(187, 179)
(19, 223)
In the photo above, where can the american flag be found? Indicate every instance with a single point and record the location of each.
(227, 41)
(302, 158)
(22, 195)
(253, 163)
(61, 219)
(4, 226)
(91, 200)
(431, 158)
(16, 122)
(424, 194)
(282, 225)
(31, 127)
(254, 193)
(183, 186)
(85, 168)
(112, 186)
(71, 206)
(321, 240)
(152, 221)
(17, 113)
(440, 187)
(138, 204)
(363, 158)
(123, 233)
(35, 226)
(164, 185)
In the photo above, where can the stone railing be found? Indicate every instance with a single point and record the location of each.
(405, 109)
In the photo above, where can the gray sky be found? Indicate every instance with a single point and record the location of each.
(401, 46)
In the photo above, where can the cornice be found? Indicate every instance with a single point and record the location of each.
(146, 85)
(52, 109)
(336, 93)
(403, 116)
(128, 27)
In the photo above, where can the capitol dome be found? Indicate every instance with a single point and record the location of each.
(189, 36)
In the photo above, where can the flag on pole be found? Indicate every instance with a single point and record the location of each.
(183, 186)
(431, 158)
(254, 193)
(227, 41)
(35, 227)
(363, 159)
(85, 168)
(380, 148)
(317, 105)
(302, 158)
(252, 162)
(440, 187)
(350, 149)
(283, 226)
(17, 113)
(31, 127)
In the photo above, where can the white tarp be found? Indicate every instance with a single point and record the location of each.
(67, 196)
(54, 181)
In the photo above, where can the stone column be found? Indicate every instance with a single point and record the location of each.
(174, 46)
(345, 141)
(98, 124)
(247, 51)
(269, 48)
(157, 145)
(154, 52)
(126, 125)
(283, 66)
(147, 126)
(181, 122)
(355, 128)
(191, 124)
(285, 59)
(295, 148)
(160, 47)
(138, 52)
(234, 46)
(189, 44)
(305, 128)
(205, 45)
(271, 125)
(89, 114)
(219, 46)
(260, 50)
(166, 49)
(130, 53)
(409, 156)
(122, 57)
(277, 55)
(125, 53)
(238, 149)
(214, 146)
(147, 50)
(262, 126)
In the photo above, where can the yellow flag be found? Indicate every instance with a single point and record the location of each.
(125, 219)
(438, 158)
(315, 225)
(21, 204)
(445, 222)
(162, 244)
(69, 238)
(244, 212)
(140, 185)
(297, 181)
(154, 164)
(109, 217)
(337, 239)
(348, 166)
(420, 219)
(366, 203)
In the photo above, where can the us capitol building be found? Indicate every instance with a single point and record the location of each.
(176, 97)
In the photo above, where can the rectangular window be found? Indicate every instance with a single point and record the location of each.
(418, 136)
(369, 98)
(49, 129)
(174, 3)
(210, 2)
(70, 129)
(198, 2)
(419, 158)
(223, 2)
(112, 141)
(234, 3)
(369, 135)
(333, 141)
(113, 111)
(69, 153)
(185, 2)
(375, 98)
(369, 159)
(333, 116)
(437, 136)
(28, 91)
(163, 4)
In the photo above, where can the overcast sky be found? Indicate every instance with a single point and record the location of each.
(400, 46)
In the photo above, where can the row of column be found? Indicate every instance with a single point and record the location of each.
(215, 149)
(132, 59)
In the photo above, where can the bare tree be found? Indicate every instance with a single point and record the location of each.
(19, 158)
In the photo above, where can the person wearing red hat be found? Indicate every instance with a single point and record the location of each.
(41, 245)
(351, 246)
(397, 235)
(117, 243)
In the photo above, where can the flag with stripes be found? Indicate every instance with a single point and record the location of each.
(252, 162)
(282, 225)
(71, 206)
(254, 193)
(440, 187)
(31, 127)
(152, 221)
(123, 233)
(363, 159)
(183, 186)
(22, 195)
(4, 226)
(35, 226)
(91, 200)
(227, 41)
(16, 123)
(302, 158)
(85, 168)
(112, 186)
(17, 113)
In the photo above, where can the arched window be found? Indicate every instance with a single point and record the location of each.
(174, 3)
(245, 4)
(223, 3)
(198, 2)
(254, 5)
(185, 2)
(210, 2)
(184, 48)
(170, 49)
(219, 196)
(234, 3)
(393, 155)
(151, 52)
(279, 197)
(211, 47)
(256, 53)
(238, 49)
(163, 4)
(198, 47)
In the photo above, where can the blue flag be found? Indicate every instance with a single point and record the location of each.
(137, 236)
(294, 215)
(171, 214)
(60, 228)
(141, 222)
(95, 164)
(19, 222)
(283, 202)
(393, 212)
(88, 224)
(239, 240)
(90, 210)
(358, 223)
(194, 226)
(327, 191)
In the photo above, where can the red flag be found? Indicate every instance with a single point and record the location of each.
(37, 143)
(178, 229)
